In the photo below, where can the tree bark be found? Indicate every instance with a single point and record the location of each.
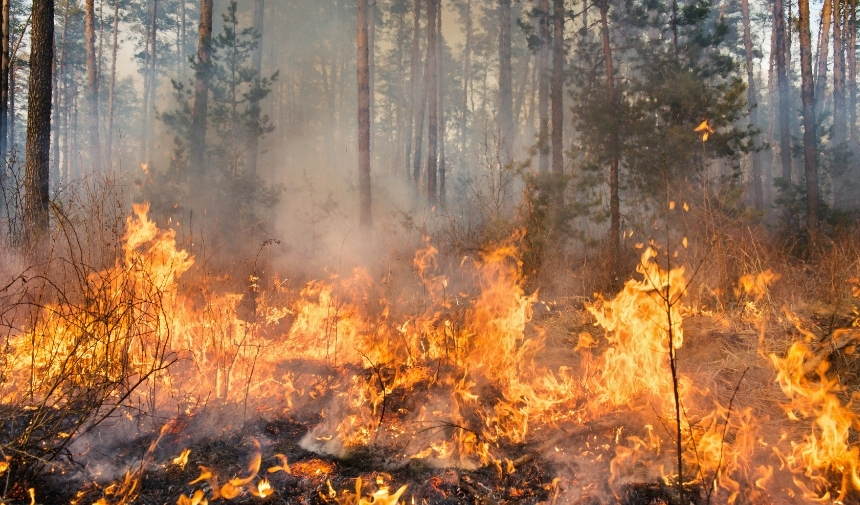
(784, 92)
(752, 101)
(809, 140)
(614, 200)
(433, 111)
(557, 84)
(112, 92)
(413, 101)
(441, 92)
(92, 85)
(153, 85)
(506, 126)
(543, 88)
(257, 64)
(4, 82)
(364, 216)
(36, 172)
(419, 130)
(467, 70)
(201, 88)
(823, 50)
(371, 44)
(852, 75)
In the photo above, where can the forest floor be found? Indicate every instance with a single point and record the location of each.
(568, 464)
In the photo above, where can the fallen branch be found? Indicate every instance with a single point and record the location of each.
(840, 339)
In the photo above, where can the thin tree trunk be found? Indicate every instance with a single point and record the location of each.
(411, 113)
(614, 200)
(543, 88)
(145, 111)
(467, 70)
(153, 86)
(522, 82)
(419, 130)
(506, 127)
(823, 49)
(4, 83)
(556, 94)
(183, 66)
(752, 101)
(201, 88)
(371, 44)
(440, 42)
(257, 64)
(433, 108)
(92, 86)
(852, 72)
(809, 140)
(784, 91)
(364, 216)
(112, 91)
(36, 171)
(397, 152)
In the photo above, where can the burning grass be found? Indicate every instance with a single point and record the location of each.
(449, 385)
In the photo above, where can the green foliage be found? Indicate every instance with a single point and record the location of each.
(663, 93)
(235, 123)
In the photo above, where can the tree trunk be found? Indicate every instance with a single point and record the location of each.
(182, 59)
(823, 49)
(4, 83)
(36, 172)
(371, 44)
(614, 201)
(112, 91)
(433, 108)
(257, 64)
(411, 113)
(153, 85)
(809, 139)
(752, 101)
(364, 216)
(201, 88)
(441, 83)
(839, 120)
(467, 70)
(543, 88)
(419, 130)
(557, 83)
(852, 73)
(92, 86)
(784, 92)
(506, 127)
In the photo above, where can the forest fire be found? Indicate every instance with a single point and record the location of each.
(429, 252)
(457, 380)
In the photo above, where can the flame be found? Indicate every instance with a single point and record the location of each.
(380, 497)
(826, 449)
(182, 459)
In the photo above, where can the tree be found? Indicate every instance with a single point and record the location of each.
(752, 101)
(36, 171)
(92, 85)
(4, 79)
(809, 138)
(557, 96)
(543, 87)
(363, 118)
(112, 92)
(506, 97)
(432, 85)
(201, 87)
(257, 64)
(784, 95)
(411, 112)
(823, 41)
(614, 199)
